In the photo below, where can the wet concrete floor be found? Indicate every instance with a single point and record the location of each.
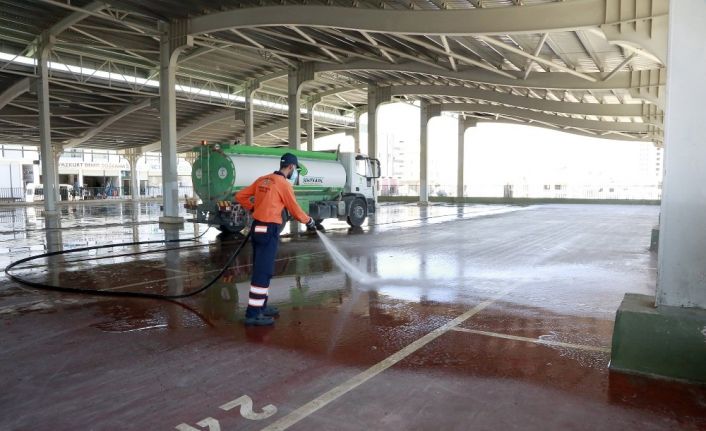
(494, 317)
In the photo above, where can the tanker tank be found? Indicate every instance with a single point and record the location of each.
(221, 170)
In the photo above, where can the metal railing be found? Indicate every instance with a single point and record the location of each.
(12, 193)
(96, 193)
(531, 191)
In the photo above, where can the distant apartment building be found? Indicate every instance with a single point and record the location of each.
(652, 163)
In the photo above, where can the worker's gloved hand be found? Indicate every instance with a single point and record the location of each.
(311, 224)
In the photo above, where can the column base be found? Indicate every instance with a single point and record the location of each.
(665, 342)
(171, 220)
(52, 220)
(654, 239)
(294, 227)
(423, 203)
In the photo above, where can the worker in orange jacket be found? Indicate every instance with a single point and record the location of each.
(272, 193)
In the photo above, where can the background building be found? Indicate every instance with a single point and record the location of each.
(92, 173)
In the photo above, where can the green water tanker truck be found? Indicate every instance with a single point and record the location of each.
(330, 184)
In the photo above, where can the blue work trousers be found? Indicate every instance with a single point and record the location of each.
(265, 239)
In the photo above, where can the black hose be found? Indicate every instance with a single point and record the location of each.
(97, 292)
(123, 293)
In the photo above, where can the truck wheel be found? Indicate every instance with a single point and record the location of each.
(357, 213)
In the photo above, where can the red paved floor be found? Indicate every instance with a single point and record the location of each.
(72, 362)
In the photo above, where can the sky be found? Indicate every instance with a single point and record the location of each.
(498, 153)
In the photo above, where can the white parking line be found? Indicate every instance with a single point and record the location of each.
(352, 383)
(535, 340)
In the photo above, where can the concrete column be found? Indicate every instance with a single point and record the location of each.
(296, 78)
(172, 40)
(356, 132)
(376, 97)
(682, 240)
(461, 156)
(294, 109)
(172, 261)
(249, 111)
(57, 156)
(132, 159)
(463, 125)
(311, 124)
(664, 336)
(423, 152)
(294, 129)
(372, 121)
(427, 111)
(45, 146)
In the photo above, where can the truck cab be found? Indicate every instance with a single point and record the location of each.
(361, 173)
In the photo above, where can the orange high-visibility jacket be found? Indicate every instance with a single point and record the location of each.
(272, 194)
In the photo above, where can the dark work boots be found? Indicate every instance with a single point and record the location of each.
(259, 320)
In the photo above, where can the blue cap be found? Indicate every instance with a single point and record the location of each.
(289, 159)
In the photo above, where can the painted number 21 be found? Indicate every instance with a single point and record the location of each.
(246, 411)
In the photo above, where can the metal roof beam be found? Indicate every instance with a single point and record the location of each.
(447, 48)
(271, 127)
(620, 66)
(465, 59)
(529, 19)
(326, 50)
(375, 43)
(312, 42)
(257, 44)
(67, 22)
(556, 49)
(588, 46)
(334, 91)
(113, 45)
(15, 90)
(573, 131)
(574, 108)
(499, 44)
(220, 115)
(134, 26)
(548, 118)
(530, 61)
(105, 123)
(547, 80)
(76, 17)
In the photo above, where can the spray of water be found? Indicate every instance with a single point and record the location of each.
(344, 264)
(363, 278)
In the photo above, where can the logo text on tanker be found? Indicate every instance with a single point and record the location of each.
(312, 180)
